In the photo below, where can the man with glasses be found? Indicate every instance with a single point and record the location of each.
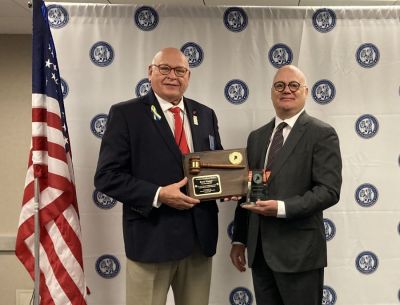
(169, 237)
(284, 232)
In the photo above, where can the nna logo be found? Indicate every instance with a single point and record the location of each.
(330, 229)
(323, 92)
(142, 87)
(101, 54)
(103, 201)
(230, 229)
(57, 16)
(328, 296)
(324, 20)
(108, 266)
(367, 126)
(366, 195)
(98, 125)
(146, 18)
(367, 55)
(235, 19)
(280, 55)
(236, 91)
(241, 296)
(367, 262)
(193, 53)
(64, 88)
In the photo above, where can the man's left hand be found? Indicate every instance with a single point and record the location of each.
(266, 208)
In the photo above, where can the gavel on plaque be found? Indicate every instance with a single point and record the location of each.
(195, 165)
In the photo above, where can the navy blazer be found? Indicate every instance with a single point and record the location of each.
(138, 154)
(306, 175)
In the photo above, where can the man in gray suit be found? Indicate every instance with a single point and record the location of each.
(284, 233)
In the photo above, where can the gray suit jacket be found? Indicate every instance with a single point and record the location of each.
(306, 175)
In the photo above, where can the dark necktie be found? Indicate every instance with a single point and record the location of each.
(276, 144)
(180, 136)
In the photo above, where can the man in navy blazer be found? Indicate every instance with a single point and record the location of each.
(284, 233)
(169, 237)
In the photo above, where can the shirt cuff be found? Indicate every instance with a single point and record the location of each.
(281, 209)
(157, 204)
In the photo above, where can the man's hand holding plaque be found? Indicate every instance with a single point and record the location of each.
(216, 174)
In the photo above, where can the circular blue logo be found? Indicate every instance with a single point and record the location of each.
(367, 262)
(366, 195)
(143, 87)
(324, 20)
(98, 125)
(280, 55)
(146, 18)
(64, 88)
(101, 54)
(323, 92)
(367, 55)
(367, 126)
(235, 19)
(236, 91)
(328, 296)
(57, 16)
(330, 229)
(229, 230)
(240, 296)
(193, 53)
(103, 201)
(108, 266)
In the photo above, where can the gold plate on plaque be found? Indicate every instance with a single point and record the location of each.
(235, 157)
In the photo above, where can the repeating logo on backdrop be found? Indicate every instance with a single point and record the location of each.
(229, 230)
(235, 19)
(98, 125)
(330, 229)
(64, 88)
(142, 87)
(146, 18)
(324, 20)
(103, 201)
(367, 55)
(280, 55)
(367, 262)
(367, 126)
(194, 54)
(236, 91)
(57, 15)
(108, 266)
(328, 296)
(323, 92)
(240, 296)
(101, 54)
(366, 195)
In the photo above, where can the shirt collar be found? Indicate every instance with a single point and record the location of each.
(291, 121)
(165, 106)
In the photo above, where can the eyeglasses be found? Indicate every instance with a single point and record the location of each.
(293, 86)
(165, 70)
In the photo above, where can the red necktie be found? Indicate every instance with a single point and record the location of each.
(180, 136)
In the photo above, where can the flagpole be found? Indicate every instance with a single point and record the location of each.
(37, 242)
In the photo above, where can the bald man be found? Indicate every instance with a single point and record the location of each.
(284, 233)
(169, 237)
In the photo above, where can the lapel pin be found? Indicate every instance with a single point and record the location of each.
(156, 116)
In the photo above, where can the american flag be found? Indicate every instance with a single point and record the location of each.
(61, 265)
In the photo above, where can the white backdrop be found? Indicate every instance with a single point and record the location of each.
(351, 57)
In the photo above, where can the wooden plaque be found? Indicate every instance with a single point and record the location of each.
(216, 174)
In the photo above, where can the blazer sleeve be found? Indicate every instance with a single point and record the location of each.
(113, 175)
(326, 177)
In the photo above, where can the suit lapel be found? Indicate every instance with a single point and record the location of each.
(153, 109)
(294, 137)
(191, 111)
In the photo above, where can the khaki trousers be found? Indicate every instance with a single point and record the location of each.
(148, 283)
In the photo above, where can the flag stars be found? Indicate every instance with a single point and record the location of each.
(48, 63)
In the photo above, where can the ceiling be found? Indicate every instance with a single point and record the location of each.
(15, 15)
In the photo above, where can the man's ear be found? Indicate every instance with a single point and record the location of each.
(149, 72)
